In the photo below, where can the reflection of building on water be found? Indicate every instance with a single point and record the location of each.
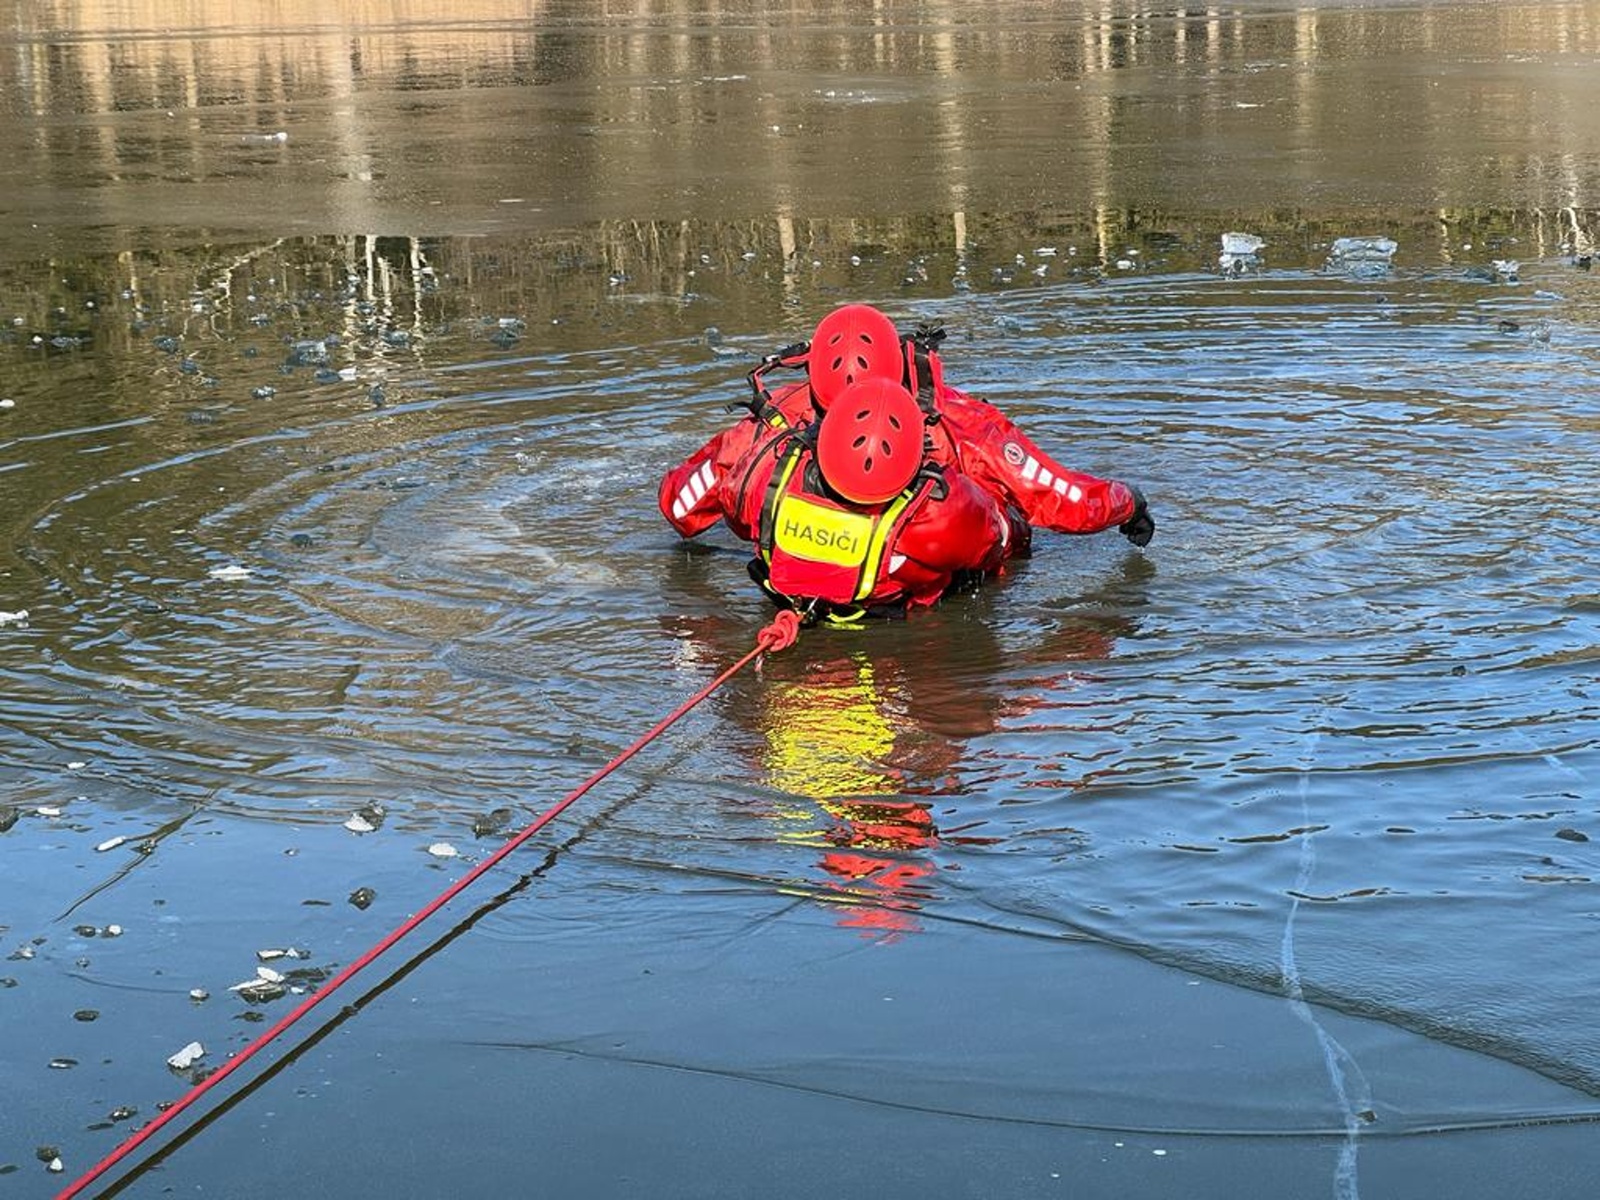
(586, 105)
(417, 284)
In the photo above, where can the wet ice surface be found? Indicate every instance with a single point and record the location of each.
(1279, 828)
(1259, 862)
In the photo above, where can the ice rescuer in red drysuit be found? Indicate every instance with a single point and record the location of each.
(871, 485)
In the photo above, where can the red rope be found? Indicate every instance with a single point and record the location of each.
(779, 635)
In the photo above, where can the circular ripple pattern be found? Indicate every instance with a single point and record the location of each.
(1331, 737)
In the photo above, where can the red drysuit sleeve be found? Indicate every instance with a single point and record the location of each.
(690, 497)
(707, 486)
(1004, 461)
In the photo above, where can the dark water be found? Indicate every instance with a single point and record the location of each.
(1257, 863)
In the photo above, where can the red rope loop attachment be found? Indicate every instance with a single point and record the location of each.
(781, 633)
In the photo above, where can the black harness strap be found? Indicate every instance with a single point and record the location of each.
(759, 401)
(923, 370)
(796, 442)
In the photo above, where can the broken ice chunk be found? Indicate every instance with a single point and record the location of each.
(1241, 243)
(1362, 257)
(1239, 253)
(187, 1057)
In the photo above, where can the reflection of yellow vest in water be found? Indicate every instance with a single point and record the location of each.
(830, 740)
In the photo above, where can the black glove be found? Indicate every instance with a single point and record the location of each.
(1140, 527)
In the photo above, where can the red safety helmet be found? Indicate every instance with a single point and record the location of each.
(852, 343)
(869, 445)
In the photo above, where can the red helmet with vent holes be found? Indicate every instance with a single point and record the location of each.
(852, 343)
(869, 445)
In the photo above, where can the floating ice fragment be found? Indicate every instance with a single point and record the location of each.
(1046, 251)
(187, 1057)
(268, 974)
(1507, 268)
(287, 952)
(443, 850)
(1362, 257)
(231, 571)
(259, 989)
(14, 618)
(198, 994)
(359, 824)
(1363, 249)
(1239, 253)
(491, 822)
(55, 1166)
(48, 810)
(113, 930)
(76, 766)
(8, 403)
(110, 843)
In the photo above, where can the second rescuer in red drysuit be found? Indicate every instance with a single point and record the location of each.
(964, 504)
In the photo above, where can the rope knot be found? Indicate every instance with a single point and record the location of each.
(781, 634)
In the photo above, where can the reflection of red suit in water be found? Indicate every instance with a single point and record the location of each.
(835, 738)
(866, 740)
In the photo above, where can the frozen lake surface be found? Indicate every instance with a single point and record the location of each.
(338, 366)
